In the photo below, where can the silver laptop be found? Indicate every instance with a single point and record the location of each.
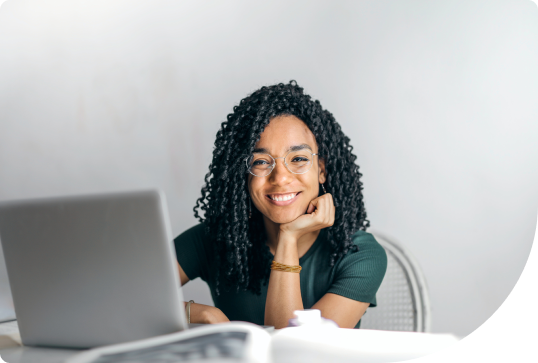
(87, 271)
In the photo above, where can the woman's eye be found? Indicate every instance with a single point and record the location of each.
(259, 162)
(299, 159)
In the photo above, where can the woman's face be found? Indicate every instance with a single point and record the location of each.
(270, 194)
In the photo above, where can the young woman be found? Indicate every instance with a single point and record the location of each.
(282, 191)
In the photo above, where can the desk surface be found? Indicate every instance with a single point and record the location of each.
(12, 351)
(295, 345)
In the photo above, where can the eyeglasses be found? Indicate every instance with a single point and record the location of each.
(297, 162)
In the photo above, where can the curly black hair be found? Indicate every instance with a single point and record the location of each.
(239, 242)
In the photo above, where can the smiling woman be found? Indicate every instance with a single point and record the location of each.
(284, 220)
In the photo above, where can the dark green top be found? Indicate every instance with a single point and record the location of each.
(356, 275)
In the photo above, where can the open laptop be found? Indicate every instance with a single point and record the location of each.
(94, 270)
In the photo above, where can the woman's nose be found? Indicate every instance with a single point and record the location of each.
(280, 174)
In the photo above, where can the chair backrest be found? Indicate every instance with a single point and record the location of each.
(402, 299)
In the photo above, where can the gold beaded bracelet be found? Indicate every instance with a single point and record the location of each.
(287, 268)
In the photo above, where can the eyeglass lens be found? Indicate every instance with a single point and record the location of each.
(298, 162)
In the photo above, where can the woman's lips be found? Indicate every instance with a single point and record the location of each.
(282, 202)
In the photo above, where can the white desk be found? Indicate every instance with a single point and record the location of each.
(12, 351)
(295, 345)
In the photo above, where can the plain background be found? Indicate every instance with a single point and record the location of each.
(439, 100)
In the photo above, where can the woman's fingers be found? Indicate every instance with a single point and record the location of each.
(319, 214)
(332, 210)
(322, 209)
(311, 207)
(329, 214)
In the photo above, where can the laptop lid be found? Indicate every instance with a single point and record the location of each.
(7, 311)
(92, 270)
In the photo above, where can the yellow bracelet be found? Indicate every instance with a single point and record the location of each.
(287, 268)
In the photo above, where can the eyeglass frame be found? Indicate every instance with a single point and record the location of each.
(274, 163)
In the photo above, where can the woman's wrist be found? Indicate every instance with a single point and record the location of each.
(215, 316)
(288, 238)
(205, 314)
(286, 251)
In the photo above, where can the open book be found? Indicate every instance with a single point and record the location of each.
(235, 341)
(245, 342)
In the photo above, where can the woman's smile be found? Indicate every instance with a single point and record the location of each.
(282, 199)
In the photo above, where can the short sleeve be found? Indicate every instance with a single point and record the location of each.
(359, 274)
(191, 252)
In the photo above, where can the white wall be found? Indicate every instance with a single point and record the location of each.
(439, 100)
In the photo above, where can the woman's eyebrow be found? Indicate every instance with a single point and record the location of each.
(293, 148)
(300, 147)
(261, 150)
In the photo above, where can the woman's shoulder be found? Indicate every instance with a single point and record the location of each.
(196, 229)
(196, 234)
(363, 239)
(193, 252)
(359, 273)
(368, 250)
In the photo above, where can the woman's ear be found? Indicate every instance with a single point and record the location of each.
(322, 177)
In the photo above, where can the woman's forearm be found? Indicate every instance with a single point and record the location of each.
(284, 290)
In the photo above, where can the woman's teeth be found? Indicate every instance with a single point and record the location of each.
(282, 198)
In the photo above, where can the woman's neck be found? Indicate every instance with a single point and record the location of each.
(273, 232)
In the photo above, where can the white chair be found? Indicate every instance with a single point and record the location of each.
(403, 302)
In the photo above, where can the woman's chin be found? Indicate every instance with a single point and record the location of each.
(281, 219)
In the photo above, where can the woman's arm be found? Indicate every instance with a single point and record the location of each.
(284, 290)
(202, 314)
(205, 314)
(345, 312)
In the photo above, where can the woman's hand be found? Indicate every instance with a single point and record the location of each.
(205, 314)
(319, 215)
